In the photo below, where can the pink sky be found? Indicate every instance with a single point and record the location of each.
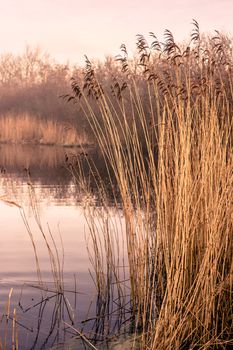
(68, 29)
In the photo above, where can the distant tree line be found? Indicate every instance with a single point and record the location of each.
(31, 83)
(34, 82)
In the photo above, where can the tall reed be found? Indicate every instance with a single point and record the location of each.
(166, 133)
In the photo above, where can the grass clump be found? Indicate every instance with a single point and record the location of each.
(28, 129)
(166, 134)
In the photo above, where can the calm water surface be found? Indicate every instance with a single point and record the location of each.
(39, 175)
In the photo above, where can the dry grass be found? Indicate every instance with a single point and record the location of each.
(26, 129)
(10, 331)
(172, 160)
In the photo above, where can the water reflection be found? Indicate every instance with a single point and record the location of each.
(36, 184)
(50, 170)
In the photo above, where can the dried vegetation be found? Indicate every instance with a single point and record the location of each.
(164, 126)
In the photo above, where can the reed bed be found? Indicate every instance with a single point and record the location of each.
(27, 129)
(166, 134)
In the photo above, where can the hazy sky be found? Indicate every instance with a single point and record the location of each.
(68, 29)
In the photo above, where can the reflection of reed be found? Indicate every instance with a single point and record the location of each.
(50, 170)
(60, 311)
(17, 192)
(15, 157)
(50, 311)
(49, 320)
(23, 157)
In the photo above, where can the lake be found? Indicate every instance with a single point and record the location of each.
(47, 270)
